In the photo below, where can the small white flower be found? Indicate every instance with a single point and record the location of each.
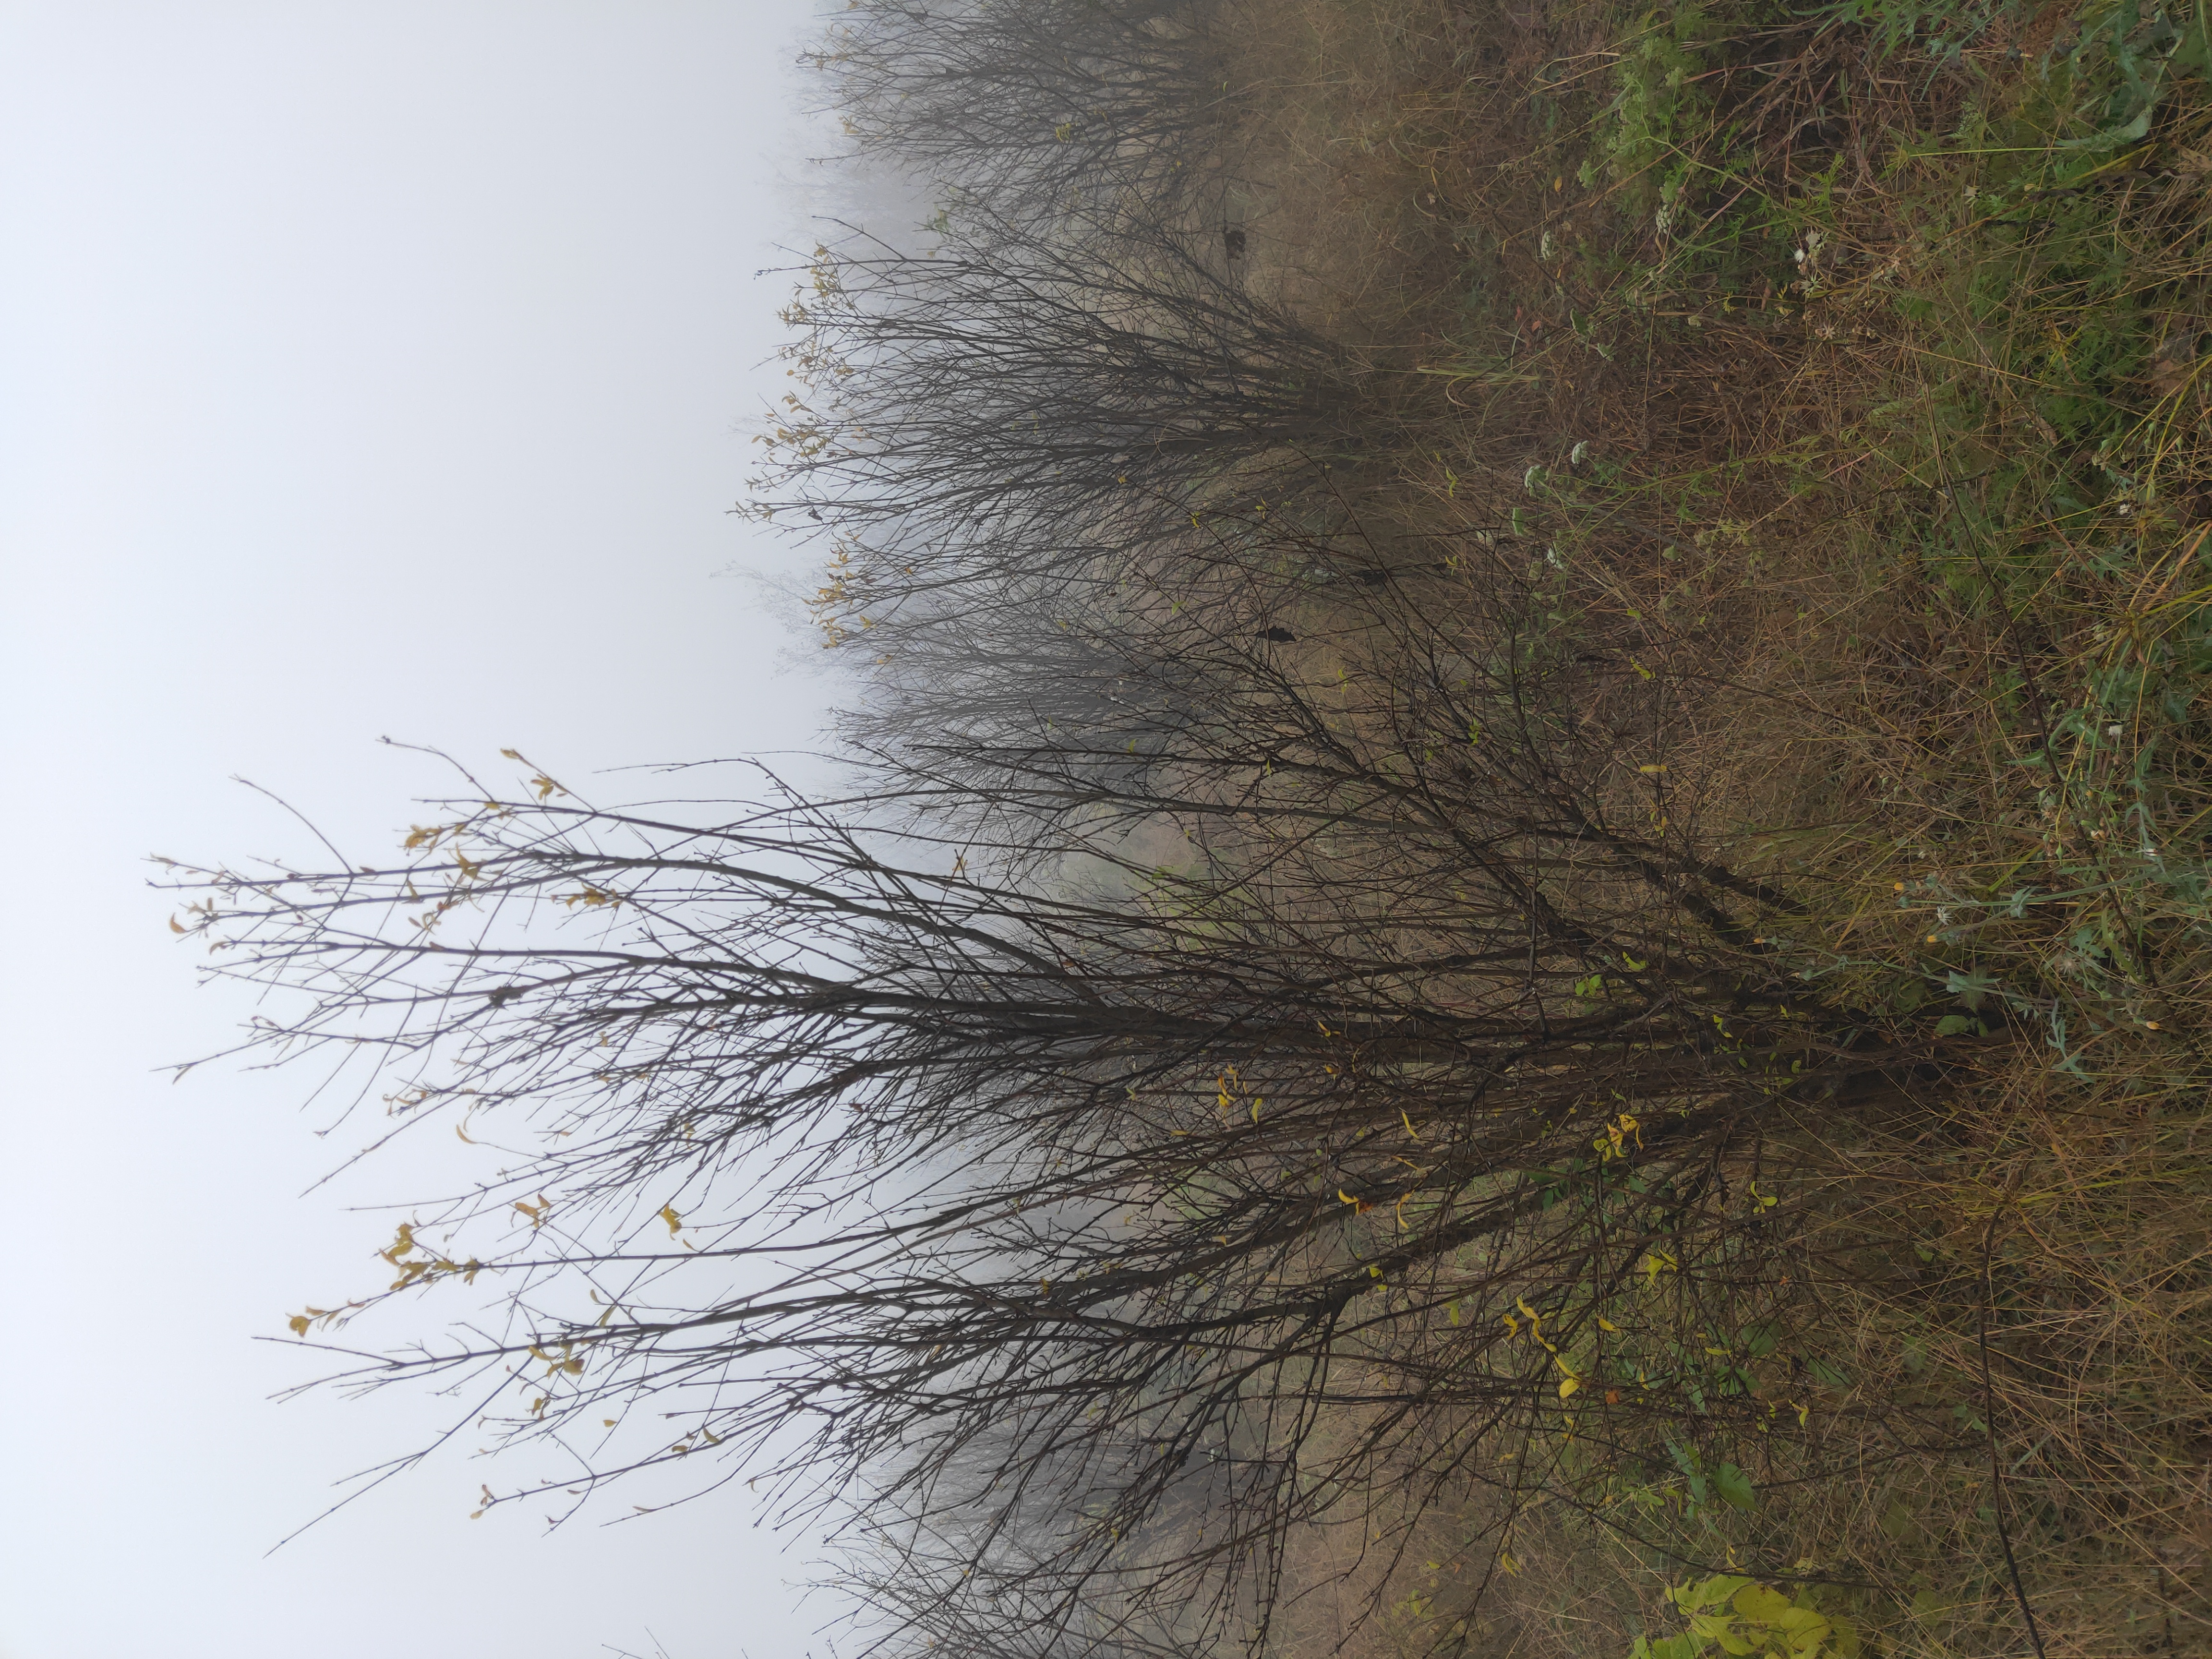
(1579, 453)
(2113, 730)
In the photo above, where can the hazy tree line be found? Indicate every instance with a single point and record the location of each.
(1260, 1026)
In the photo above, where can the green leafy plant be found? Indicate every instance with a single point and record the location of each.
(1725, 1483)
(1656, 93)
(1740, 1616)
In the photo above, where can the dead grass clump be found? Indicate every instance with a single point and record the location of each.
(1849, 402)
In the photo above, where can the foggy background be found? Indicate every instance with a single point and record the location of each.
(364, 369)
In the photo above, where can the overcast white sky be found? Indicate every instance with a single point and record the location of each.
(366, 366)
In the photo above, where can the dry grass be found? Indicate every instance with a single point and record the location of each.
(1886, 458)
